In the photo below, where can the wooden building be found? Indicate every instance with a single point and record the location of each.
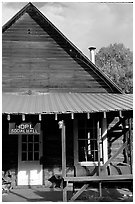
(61, 114)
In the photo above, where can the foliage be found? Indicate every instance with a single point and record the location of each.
(116, 62)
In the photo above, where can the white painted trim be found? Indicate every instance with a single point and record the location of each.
(8, 117)
(41, 151)
(19, 153)
(23, 117)
(104, 137)
(56, 116)
(104, 114)
(88, 116)
(72, 116)
(22, 163)
(90, 163)
(40, 117)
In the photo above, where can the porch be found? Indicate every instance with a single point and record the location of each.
(102, 133)
(41, 194)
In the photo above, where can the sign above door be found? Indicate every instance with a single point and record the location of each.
(24, 128)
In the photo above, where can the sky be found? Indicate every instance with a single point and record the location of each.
(85, 24)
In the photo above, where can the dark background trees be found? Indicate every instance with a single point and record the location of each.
(117, 62)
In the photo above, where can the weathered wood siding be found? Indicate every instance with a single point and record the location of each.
(115, 140)
(35, 59)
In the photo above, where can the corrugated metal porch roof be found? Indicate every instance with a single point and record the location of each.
(65, 103)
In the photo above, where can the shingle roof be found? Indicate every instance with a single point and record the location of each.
(65, 103)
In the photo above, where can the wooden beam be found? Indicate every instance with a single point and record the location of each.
(99, 155)
(116, 125)
(120, 114)
(100, 189)
(65, 191)
(131, 143)
(75, 132)
(104, 138)
(115, 155)
(126, 139)
(40, 117)
(97, 178)
(63, 150)
(98, 145)
(79, 192)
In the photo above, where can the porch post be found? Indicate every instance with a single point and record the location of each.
(126, 139)
(63, 151)
(63, 140)
(131, 143)
(99, 156)
(75, 129)
(104, 138)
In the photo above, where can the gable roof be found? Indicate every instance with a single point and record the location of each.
(73, 51)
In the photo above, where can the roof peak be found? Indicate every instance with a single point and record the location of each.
(30, 9)
(17, 16)
(29, 4)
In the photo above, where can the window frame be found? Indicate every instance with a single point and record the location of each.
(27, 142)
(89, 124)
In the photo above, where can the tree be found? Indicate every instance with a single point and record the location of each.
(116, 62)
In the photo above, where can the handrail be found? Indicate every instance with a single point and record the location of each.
(99, 178)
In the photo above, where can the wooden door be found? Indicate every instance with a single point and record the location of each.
(29, 154)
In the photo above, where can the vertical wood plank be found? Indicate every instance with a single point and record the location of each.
(75, 131)
(41, 152)
(99, 154)
(63, 150)
(104, 138)
(19, 153)
(98, 144)
(131, 143)
(126, 139)
(100, 189)
(40, 117)
(65, 192)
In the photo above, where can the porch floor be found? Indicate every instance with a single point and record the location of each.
(41, 194)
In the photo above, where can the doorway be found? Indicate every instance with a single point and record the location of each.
(30, 171)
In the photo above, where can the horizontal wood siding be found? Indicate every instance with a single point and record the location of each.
(34, 59)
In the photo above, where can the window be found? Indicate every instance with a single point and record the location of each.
(30, 147)
(87, 141)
